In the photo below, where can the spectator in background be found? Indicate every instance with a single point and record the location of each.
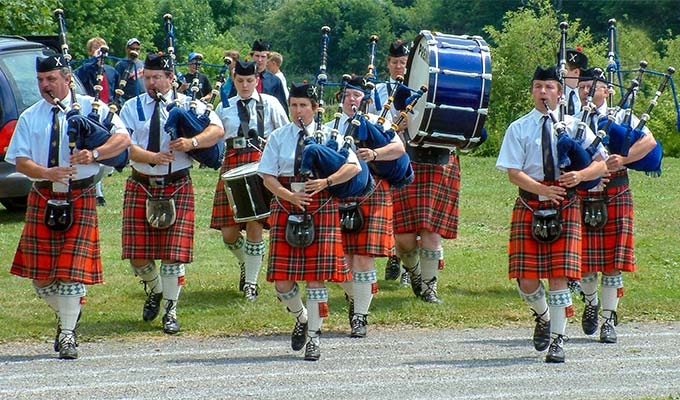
(274, 61)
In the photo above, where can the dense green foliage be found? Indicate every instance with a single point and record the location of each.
(521, 34)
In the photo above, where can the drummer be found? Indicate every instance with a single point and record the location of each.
(247, 124)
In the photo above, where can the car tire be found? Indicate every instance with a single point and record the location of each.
(14, 203)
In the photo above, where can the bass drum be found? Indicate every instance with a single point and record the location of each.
(457, 72)
(248, 198)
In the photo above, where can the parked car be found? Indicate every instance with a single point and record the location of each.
(18, 91)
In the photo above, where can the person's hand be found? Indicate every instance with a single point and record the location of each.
(162, 158)
(181, 144)
(614, 162)
(301, 199)
(570, 179)
(554, 193)
(315, 186)
(82, 157)
(60, 174)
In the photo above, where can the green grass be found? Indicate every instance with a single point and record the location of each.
(474, 285)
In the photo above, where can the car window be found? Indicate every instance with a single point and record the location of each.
(19, 67)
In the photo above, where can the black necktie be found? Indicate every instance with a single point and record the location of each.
(298, 151)
(53, 160)
(594, 118)
(244, 117)
(572, 105)
(548, 161)
(154, 144)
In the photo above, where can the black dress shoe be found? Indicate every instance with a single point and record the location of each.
(541, 333)
(68, 345)
(250, 291)
(152, 306)
(358, 325)
(429, 295)
(312, 351)
(299, 336)
(589, 321)
(170, 324)
(416, 280)
(607, 331)
(392, 268)
(555, 352)
(56, 337)
(101, 201)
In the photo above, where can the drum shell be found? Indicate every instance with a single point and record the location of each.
(248, 197)
(457, 72)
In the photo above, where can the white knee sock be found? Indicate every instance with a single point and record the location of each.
(49, 293)
(612, 290)
(172, 276)
(589, 287)
(317, 310)
(149, 275)
(348, 287)
(293, 301)
(410, 260)
(537, 301)
(236, 249)
(254, 251)
(429, 264)
(559, 303)
(364, 287)
(69, 302)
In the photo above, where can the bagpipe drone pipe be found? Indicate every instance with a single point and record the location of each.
(89, 132)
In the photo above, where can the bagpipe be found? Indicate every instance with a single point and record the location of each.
(187, 124)
(571, 156)
(88, 132)
(322, 160)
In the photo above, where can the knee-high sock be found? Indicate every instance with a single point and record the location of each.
(254, 251)
(348, 287)
(429, 264)
(293, 301)
(364, 287)
(172, 276)
(49, 293)
(69, 301)
(537, 301)
(149, 275)
(411, 260)
(589, 287)
(236, 249)
(317, 310)
(559, 303)
(612, 290)
(100, 192)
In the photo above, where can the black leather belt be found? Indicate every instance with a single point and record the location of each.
(571, 192)
(79, 184)
(429, 155)
(158, 180)
(618, 180)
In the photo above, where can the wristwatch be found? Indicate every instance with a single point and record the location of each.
(194, 142)
(95, 154)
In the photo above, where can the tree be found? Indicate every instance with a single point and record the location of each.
(27, 17)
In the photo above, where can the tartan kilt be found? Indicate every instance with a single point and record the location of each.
(222, 214)
(323, 260)
(73, 255)
(611, 247)
(430, 202)
(141, 241)
(531, 259)
(376, 238)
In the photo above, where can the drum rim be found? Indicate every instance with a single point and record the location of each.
(236, 172)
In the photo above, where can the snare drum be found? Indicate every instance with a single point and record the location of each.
(457, 73)
(248, 198)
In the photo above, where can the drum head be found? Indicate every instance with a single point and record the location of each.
(243, 170)
(417, 75)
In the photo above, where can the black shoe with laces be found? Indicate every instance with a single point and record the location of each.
(589, 321)
(152, 306)
(405, 279)
(607, 330)
(312, 351)
(242, 276)
(68, 345)
(358, 324)
(575, 288)
(250, 291)
(541, 333)
(299, 336)
(555, 351)
(416, 280)
(56, 337)
(101, 201)
(392, 268)
(429, 295)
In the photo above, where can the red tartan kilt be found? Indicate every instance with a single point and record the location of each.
(611, 247)
(222, 214)
(323, 260)
(430, 202)
(141, 241)
(73, 255)
(376, 239)
(534, 260)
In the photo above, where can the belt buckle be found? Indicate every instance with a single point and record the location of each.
(239, 143)
(156, 182)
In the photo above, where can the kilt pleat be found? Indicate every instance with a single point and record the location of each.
(222, 214)
(531, 259)
(430, 202)
(611, 247)
(72, 255)
(323, 260)
(141, 241)
(376, 239)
